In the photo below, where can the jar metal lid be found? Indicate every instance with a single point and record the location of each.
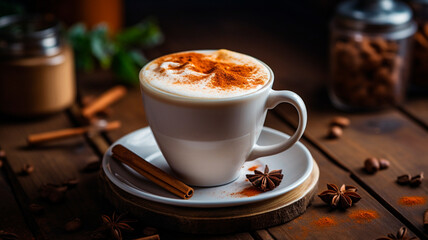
(29, 36)
(374, 16)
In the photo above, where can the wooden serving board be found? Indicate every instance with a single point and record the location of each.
(222, 220)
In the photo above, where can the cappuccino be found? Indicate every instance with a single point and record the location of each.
(206, 110)
(206, 74)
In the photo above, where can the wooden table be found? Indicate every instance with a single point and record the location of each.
(299, 62)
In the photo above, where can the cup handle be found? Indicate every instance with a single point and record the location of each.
(276, 97)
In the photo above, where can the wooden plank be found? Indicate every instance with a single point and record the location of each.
(55, 163)
(21, 198)
(12, 220)
(263, 234)
(417, 108)
(343, 227)
(181, 236)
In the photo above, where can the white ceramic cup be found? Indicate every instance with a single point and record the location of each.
(206, 141)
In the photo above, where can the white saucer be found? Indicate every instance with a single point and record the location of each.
(296, 164)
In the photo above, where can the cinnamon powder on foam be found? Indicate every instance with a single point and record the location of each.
(225, 75)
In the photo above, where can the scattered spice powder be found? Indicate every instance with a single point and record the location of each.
(304, 233)
(325, 222)
(363, 216)
(412, 200)
(247, 192)
(253, 167)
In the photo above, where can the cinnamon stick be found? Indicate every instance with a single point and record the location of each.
(153, 237)
(104, 101)
(151, 172)
(38, 138)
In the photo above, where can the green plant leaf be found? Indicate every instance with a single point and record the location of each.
(76, 31)
(138, 57)
(101, 46)
(122, 54)
(9, 8)
(125, 68)
(80, 42)
(145, 34)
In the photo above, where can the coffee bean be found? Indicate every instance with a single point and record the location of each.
(341, 121)
(392, 47)
(372, 78)
(73, 225)
(36, 208)
(99, 234)
(1, 163)
(347, 55)
(93, 164)
(371, 165)
(335, 132)
(403, 179)
(149, 231)
(27, 169)
(416, 180)
(56, 197)
(2, 153)
(71, 182)
(53, 193)
(379, 44)
(383, 163)
(371, 59)
(390, 60)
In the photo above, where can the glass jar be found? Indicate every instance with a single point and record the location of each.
(369, 54)
(420, 51)
(36, 65)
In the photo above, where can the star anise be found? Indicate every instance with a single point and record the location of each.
(401, 235)
(265, 181)
(7, 235)
(52, 192)
(342, 197)
(116, 224)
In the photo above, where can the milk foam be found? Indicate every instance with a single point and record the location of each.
(163, 74)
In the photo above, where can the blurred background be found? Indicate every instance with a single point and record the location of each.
(308, 19)
(293, 38)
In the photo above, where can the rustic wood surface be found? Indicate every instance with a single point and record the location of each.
(416, 108)
(54, 163)
(305, 227)
(299, 61)
(15, 222)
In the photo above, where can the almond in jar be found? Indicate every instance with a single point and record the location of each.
(370, 54)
